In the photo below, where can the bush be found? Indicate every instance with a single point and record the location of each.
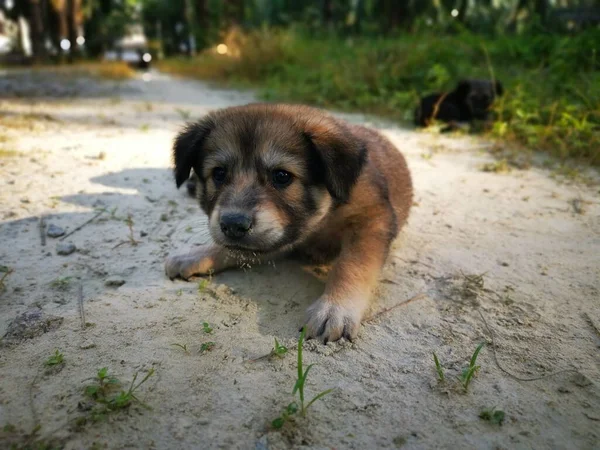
(552, 82)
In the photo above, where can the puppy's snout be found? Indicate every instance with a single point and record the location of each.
(235, 225)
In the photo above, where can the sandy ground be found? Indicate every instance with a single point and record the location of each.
(77, 146)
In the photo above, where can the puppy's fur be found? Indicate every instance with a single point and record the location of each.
(348, 194)
(470, 100)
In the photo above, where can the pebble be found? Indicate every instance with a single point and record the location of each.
(65, 248)
(114, 282)
(55, 231)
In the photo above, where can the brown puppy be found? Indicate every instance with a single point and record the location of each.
(279, 178)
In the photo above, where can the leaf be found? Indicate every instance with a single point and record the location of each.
(278, 423)
(317, 397)
(474, 357)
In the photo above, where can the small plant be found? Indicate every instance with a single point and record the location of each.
(56, 359)
(102, 393)
(179, 292)
(279, 350)
(207, 347)
(61, 283)
(438, 368)
(6, 271)
(129, 222)
(182, 347)
(492, 415)
(469, 372)
(204, 284)
(293, 408)
(104, 383)
(188, 229)
(206, 328)
(286, 415)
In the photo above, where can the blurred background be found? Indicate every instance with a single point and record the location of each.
(373, 56)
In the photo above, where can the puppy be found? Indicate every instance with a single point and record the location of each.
(277, 179)
(471, 100)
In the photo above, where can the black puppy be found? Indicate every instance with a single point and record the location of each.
(471, 100)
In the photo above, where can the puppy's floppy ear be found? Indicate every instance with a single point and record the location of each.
(187, 147)
(499, 88)
(341, 156)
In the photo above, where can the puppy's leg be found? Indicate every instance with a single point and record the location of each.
(340, 309)
(210, 259)
(203, 260)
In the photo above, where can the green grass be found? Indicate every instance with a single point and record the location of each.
(107, 393)
(468, 372)
(492, 415)
(61, 283)
(56, 359)
(552, 82)
(294, 407)
(438, 368)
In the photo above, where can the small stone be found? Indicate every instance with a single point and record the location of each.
(55, 231)
(581, 380)
(65, 248)
(143, 234)
(262, 443)
(114, 282)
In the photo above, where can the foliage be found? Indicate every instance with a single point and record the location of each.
(293, 407)
(386, 76)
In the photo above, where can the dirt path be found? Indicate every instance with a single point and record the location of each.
(100, 146)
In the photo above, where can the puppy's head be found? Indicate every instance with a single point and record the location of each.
(267, 174)
(479, 95)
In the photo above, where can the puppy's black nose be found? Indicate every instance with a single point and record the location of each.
(235, 225)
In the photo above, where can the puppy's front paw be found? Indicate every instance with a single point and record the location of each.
(199, 262)
(330, 321)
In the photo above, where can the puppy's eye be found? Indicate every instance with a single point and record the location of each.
(281, 178)
(219, 174)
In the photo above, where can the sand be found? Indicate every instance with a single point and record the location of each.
(520, 250)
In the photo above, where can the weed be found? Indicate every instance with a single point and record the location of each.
(206, 328)
(56, 359)
(179, 292)
(468, 372)
(129, 222)
(172, 203)
(293, 408)
(182, 347)
(144, 128)
(207, 347)
(188, 229)
(61, 283)
(104, 393)
(500, 166)
(279, 350)
(492, 415)
(205, 282)
(164, 217)
(438, 368)
(6, 271)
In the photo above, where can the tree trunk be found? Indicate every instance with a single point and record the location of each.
(327, 14)
(36, 23)
(540, 8)
(462, 10)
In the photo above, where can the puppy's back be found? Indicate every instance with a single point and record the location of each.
(387, 168)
